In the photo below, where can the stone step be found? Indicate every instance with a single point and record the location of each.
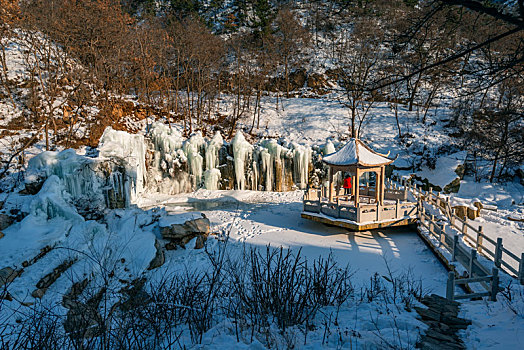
(46, 281)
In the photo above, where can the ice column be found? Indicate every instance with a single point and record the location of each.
(241, 149)
(131, 149)
(211, 179)
(302, 157)
(196, 161)
(267, 167)
(212, 149)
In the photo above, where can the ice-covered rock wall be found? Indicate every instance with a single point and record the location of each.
(166, 162)
(126, 152)
(80, 175)
(182, 165)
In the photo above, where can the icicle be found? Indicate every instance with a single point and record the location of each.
(192, 149)
(267, 167)
(302, 157)
(212, 149)
(211, 178)
(241, 149)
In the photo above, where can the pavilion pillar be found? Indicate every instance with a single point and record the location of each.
(330, 189)
(382, 179)
(357, 187)
(378, 187)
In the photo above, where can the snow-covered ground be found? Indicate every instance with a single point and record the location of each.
(262, 218)
(273, 218)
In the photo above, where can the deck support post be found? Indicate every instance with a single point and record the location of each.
(455, 247)
(498, 252)
(520, 275)
(494, 284)
(450, 286)
(472, 259)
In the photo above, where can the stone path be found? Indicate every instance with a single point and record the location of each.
(444, 324)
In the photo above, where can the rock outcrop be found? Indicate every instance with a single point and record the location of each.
(5, 221)
(181, 234)
(159, 258)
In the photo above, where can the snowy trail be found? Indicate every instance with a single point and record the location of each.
(262, 218)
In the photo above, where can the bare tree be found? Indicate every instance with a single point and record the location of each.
(291, 38)
(359, 54)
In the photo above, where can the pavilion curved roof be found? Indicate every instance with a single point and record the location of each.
(356, 152)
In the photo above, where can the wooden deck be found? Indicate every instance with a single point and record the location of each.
(343, 213)
(354, 226)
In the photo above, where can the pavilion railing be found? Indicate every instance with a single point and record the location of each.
(315, 202)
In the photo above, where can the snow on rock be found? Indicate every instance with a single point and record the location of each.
(329, 148)
(444, 172)
(489, 193)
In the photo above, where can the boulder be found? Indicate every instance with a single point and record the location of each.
(2, 235)
(170, 246)
(191, 228)
(5, 221)
(7, 274)
(33, 186)
(199, 244)
(159, 258)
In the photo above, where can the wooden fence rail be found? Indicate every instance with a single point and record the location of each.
(474, 236)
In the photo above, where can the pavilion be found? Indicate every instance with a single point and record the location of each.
(367, 206)
(357, 158)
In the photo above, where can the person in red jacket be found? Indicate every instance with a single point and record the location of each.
(347, 185)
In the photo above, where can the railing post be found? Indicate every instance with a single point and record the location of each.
(479, 240)
(521, 269)
(338, 207)
(421, 211)
(450, 286)
(378, 211)
(397, 209)
(430, 192)
(357, 209)
(494, 284)
(319, 193)
(438, 199)
(472, 259)
(442, 235)
(464, 227)
(432, 225)
(498, 252)
(455, 246)
(452, 219)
